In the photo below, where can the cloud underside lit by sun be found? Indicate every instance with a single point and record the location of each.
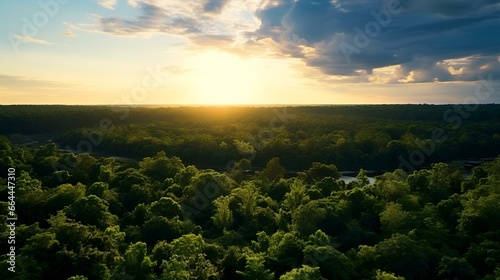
(259, 51)
(346, 41)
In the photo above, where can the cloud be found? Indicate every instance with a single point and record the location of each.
(214, 6)
(154, 18)
(176, 69)
(33, 90)
(108, 4)
(418, 39)
(453, 7)
(28, 39)
(18, 82)
(69, 31)
(201, 22)
(211, 40)
(151, 20)
(389, 41)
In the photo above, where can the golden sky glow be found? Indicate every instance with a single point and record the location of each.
(224, 52)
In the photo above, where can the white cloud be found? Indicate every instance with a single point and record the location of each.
(108, 4)
(28, 39)
(190, 19)
(69, 32)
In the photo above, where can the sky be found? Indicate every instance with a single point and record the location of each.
(212, 52)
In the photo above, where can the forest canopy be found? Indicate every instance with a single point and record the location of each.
(251, 193)
(372, 137)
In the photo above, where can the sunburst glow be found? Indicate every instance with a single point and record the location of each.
(224, 79)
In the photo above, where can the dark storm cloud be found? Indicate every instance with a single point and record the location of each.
(351, 37)
(214, 6)
(452, 7)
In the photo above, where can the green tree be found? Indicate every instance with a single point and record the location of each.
(185, 175)
(246, 197)
(391, 190)
(85, 169)
(69, 233)
(285, 251)
(187, 260)
(332, 263)
(382, 275)
(484, 254)
(278, 189)
(91, 210)
(319, 171)
(273, 171)
(447, 178)
(37, 257)
(136, 263)
(362, 178)
(125, 179)
(304, 273)
(223, 216)
(419, 181)
(78, 277)
(400, 254)
(165, 207)
(196, 267)
(307, 217)
(97, 189)
(106, 173)
(160, 228)
(160, 166)
(481, 210)
(255, 269)
(202, 191)
(297, 196)
(5, 144)
(455, 268)
(244, 164)
(30, 197)
(64, 195)
(327, 185)
(394, 219)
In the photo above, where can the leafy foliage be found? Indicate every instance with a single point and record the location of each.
(174, 210)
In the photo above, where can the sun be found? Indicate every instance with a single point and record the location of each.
(223, 79)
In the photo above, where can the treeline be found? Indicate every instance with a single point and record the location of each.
(160, 218)
(351, 137)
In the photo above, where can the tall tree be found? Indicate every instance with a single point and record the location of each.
(273, 170)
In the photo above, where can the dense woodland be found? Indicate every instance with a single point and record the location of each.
(351, 137)
(155, 193)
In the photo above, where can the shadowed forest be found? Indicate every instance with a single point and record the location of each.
(251, 193)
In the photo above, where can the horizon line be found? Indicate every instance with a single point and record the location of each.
(240, 105)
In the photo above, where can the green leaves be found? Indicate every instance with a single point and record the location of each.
(165, 207)
(400, 254)
(188, 261)
(296, 196)
(135, 263)
(223, 216)
(303, 273)
(394, 219)
(255, 269)
(307, 217)
(159, 219)
(160, 166)
(91, 210)
(273, 170)
(319, 171)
